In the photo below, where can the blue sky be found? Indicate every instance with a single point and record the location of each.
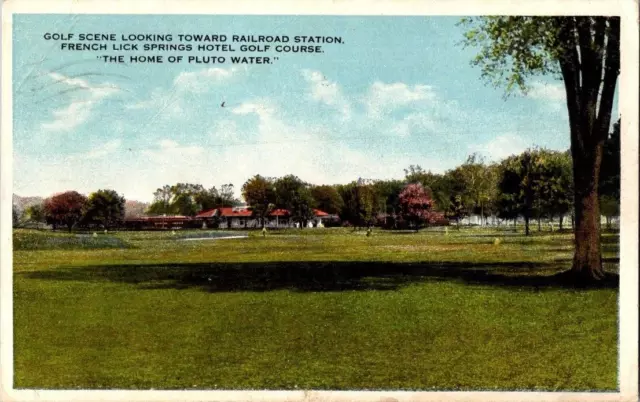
(399, 91)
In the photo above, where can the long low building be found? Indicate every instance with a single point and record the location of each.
(243, 217)
(224, 218)
(162, 222)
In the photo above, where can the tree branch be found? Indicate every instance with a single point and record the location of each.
(599, 27)
(569, 66)
(583, 27)
(588, 67)
(611, 72)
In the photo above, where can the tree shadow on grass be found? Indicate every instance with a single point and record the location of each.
(568, 248)
(323, 276)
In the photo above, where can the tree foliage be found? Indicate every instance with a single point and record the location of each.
(35, 213)
(188, 199)
(361, 203)
(327, 199)
(184, 198)
(65, 209)
(610, 208)
(476, 185)
(554, 186)
(213, 197)
(609, 184)
(387, 193)
(416, 204)
(295, 196)
(161, 204)
(535, 184)
(516, 187)
(104, 208)
(15, 216)
(438, 184)
(260, 193)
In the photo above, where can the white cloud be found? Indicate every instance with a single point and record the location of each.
(501, 147)
(167, 103)
(327, 92)
(105, 149)
(257, 136)
(270, 145)
(170, 103)
(81, 107)
(102, 150)
(260, 107)
(310, 151)
(168, 144)
(70, 117)
(401, 129)
(416, 122)
(224, 131)
(201, 81)
(383, 98)
(547, 92)
(170, 150)
(553, 95)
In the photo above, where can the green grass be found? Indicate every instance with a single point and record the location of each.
(313, 309)
(45, 240)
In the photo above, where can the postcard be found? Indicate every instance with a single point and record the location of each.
(379, 201)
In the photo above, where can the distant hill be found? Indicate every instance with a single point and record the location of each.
(23, 203)
(134, 208)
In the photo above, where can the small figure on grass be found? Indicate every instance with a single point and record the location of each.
(95, 234)
(369, 231)
(496, 241)
(264, 231)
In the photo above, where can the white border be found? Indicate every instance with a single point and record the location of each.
(627, 9)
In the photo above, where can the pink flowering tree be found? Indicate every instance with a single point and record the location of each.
(416, 205)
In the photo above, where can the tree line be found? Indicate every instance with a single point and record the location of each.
(535, 185)
(102, 208)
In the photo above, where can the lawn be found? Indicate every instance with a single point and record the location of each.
(310, 309)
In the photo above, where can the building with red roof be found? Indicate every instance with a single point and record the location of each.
(223, 218)
(209, 213)
(242, 217)
(236, 217)
(279, 212)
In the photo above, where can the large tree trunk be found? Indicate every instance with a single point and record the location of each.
(587, 261)
(526, 225)
(560, 223)
(590, 66)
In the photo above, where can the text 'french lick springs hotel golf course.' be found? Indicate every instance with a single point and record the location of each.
(300, 202)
